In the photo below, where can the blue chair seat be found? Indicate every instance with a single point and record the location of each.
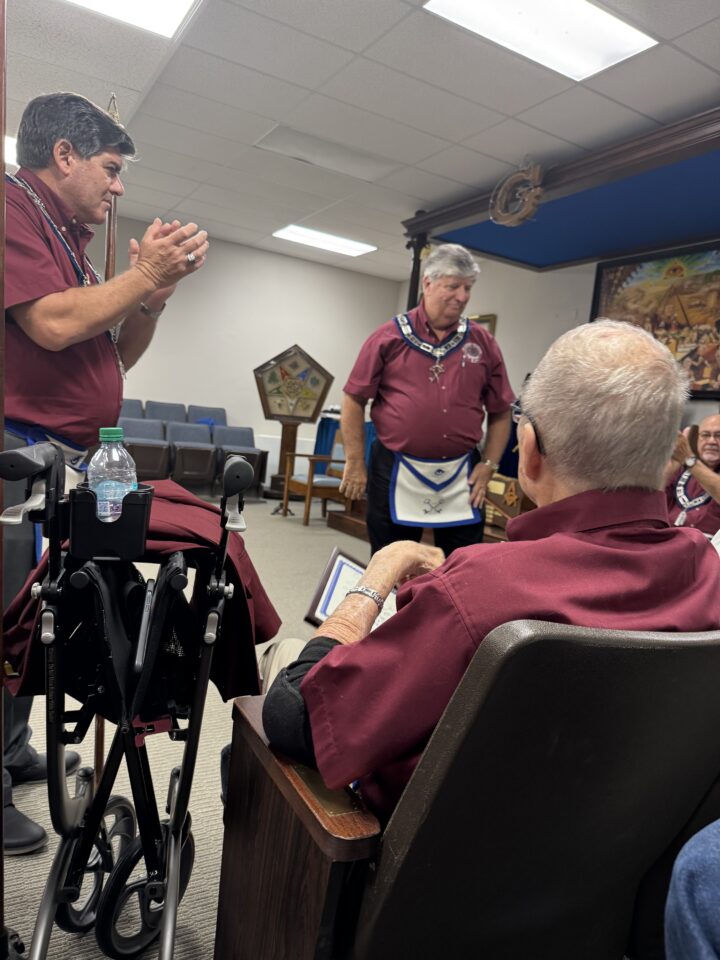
(319, 480)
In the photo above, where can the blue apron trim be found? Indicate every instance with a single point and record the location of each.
(477, 514)
(423, 479)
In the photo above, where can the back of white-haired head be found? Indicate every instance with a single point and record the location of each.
(607, 398)
(450, 260)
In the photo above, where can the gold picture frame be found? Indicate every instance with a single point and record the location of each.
(487, 320)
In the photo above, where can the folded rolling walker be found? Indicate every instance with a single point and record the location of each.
(138, 654)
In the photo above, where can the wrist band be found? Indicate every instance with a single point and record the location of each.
(490, 463)
(369, 592)
(153, 314)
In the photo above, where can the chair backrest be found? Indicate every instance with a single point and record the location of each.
(337, 464)
(566, 762)
(225, 436)
(142, 429)
(210, 415)
(158, 410)
(188, 432)
(131, 408)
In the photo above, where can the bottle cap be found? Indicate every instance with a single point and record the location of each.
(111, 433)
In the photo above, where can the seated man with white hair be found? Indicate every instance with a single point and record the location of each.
(597, 423)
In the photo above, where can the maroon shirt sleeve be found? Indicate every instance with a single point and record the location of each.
(374, 701)
(31, 270)
(367, 371)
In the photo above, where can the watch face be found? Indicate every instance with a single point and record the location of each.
(292, 386)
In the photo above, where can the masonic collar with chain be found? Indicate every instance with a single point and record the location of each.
(437, 351)
(685, 502)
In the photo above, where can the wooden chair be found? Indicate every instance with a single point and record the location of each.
(323, 486)
(568, 762)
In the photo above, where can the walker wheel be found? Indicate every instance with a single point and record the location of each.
(117, 830)
(128, 921)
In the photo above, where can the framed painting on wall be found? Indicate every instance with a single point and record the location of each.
(487, 320)
(675, 295)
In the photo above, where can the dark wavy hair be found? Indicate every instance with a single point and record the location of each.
(68, 116)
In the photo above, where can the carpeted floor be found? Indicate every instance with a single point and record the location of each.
(290, 559)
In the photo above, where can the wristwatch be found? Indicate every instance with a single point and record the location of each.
(490, 463)
(690, 462)
(152, 314)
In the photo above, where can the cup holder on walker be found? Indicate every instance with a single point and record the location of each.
(123, 539)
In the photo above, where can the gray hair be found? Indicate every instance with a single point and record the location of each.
(67, 116)
(450, 260)
(607, 398)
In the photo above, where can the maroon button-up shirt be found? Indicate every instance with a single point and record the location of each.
(75, 391)
(443, 418)
(705, 518)
(596, 559)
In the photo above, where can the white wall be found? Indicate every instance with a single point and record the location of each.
(240, 310)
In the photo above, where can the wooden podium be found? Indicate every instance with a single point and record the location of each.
(292, 388)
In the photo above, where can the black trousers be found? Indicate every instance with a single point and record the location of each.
(381, 528)
(18, 561)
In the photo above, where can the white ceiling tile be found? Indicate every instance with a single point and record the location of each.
(351, 211)
(513, 141)
(330, 222)
(437, 52)
(139, 174)
(273, 168)
(201, 73)
(433, 189)
(152, 200)
(142, 212)
(703, 44)
(258, 218)
(365, 131)
(28, 78)
(665, 19)
(383, 264)
(466, 166)
(151, 130)
(384, 198)
(349, 23)
(243, 37)
(366, 83)
(160, 159)
(209, 116)
(254, 205)
(67, 35)
(587, 118)
(662, 83)
(240, 181)
(225, 231)
(303, 252)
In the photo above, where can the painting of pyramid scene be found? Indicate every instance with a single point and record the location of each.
(676, 297)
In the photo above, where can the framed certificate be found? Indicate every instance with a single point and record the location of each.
(341, 574)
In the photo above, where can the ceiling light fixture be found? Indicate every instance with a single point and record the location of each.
(158, 16)
(325, 241)
(573, 37)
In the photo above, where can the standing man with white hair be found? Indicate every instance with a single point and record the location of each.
(596, 426)
(432, 376)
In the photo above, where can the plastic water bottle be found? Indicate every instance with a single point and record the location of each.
(111, 474)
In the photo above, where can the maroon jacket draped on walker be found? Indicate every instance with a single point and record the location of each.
(178, 521)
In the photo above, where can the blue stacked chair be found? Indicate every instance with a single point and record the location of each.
(195, 456)
(146, 443)
(132, 408)
(212, 416)
(167, 412)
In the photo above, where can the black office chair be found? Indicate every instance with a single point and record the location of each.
(146, 444)
(567, 762)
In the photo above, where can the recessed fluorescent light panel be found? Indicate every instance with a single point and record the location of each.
(10, 157)
(574, 37)
(158, 16)
(325, 241)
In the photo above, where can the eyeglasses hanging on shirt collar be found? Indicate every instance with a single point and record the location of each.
(518, 413)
